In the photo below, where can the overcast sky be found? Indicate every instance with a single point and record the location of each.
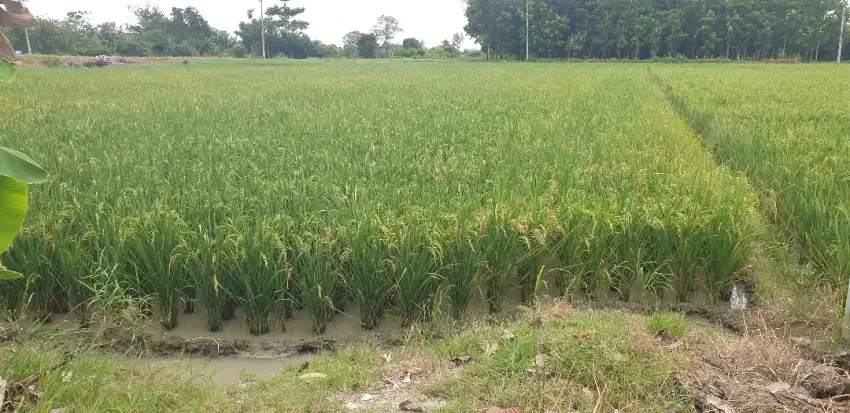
(429, 20)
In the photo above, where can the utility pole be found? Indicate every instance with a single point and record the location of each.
(526, 30)
(263, 27)
(841, 32)
(27, 35)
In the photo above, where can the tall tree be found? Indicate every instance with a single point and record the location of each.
(386, 29)
(412, 47)
(349, 43)
(281, 17)
(367, 46)
(457, 40)
(284, 33)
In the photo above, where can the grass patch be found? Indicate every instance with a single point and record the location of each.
(673, 324)
(349, 369)
(96, 382)
(93, 382)
(571, 363)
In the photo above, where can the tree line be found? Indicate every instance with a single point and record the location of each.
(642, 29)
(184, 32)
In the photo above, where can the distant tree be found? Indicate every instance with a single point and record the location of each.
(350, 43)
(282, 18)
(411, 47)
(637, 29)
(367, 46)
(575, 44)
(386, 29)
(239, 51)
(133, 47)
(457, 40)
(284, 33)
(449, 49)
(333, 51)
(411, 43)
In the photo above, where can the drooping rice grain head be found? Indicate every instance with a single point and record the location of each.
(316, 275)
(262, 272)
(156, 250)
(463, 270)
(416, 264)
(368, 276)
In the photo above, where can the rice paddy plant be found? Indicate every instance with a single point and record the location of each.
(649, 275)
(632, 255)
(195, 192)
(29, 255)
(202, 270)
(727, 257)
(416, 264)
(529, 268)
(464, 263)
(155, 250)
(601, 262)
(315, 271)
(227, 273)
(73, 267)
(791, 145)
(369, 276)
(10, 298)
(504, 251)
(262, 274)
(190, 295)
(573, 251)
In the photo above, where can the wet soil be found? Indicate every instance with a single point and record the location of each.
(222, 370)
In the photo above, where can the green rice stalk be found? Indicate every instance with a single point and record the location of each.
(315, 271)
(74, 267)
(29, 255)
(503, 250)
(154, 251)
(536, 245)
(415, 264)
(369, 278)
(202, 271)
(262, 264)
(462, 273)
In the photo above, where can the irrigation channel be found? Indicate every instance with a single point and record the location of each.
(265, 355)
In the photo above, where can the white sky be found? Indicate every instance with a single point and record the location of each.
(330, 20)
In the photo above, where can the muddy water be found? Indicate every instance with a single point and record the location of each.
(221, 370)
(343, 326)
(237, 369)
(257, 364)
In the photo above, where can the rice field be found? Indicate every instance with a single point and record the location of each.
(403, 188)
(788, 130)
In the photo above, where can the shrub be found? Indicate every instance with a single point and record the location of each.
(51, 61)
(239, 51)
